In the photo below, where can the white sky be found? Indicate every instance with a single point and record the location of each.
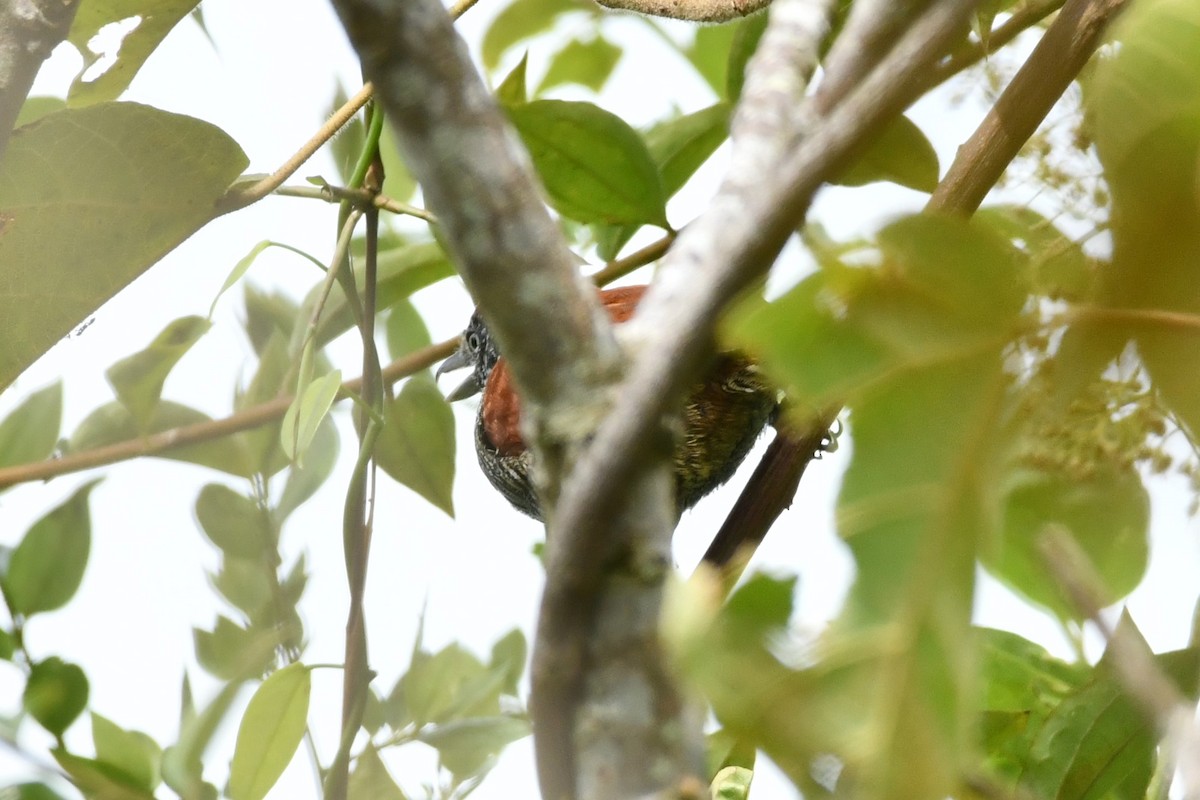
(269, 84)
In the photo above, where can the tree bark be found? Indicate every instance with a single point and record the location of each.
(29, 32)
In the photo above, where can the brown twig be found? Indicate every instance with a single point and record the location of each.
(174, 438)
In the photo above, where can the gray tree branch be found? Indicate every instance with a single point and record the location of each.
(29, 32)
(694, 10)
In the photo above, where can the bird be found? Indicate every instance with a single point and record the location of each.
(723, 414)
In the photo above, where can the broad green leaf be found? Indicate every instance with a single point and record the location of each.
(305, 414)
(1144, 102)
(46, 568)
(709, 53)
(303, 481)
(35, 108)
(138, 379)
(511, 90)
(406, 330)
(56, 694)
(448, 685)
(1107, 514)
(30, 432)
(899, 153)
(234, 522)
(371, 780)
(518, 21)
(112, 423)
(270, 732)
(745, 42)
(589, 64)
(232, 653)
(133, 753)
(400, 272)
(467, 745)
(416, 446)
(508, 659)
(681, 145)
(1058, 266)
(29, 791)
(131, 181)
(154, 22)
(594, 166)
(97, 779)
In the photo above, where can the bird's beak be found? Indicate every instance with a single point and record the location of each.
(459, 359)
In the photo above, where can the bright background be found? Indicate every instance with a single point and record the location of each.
(268, 81)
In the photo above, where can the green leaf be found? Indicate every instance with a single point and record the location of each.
(154, 22)
(34, 108)
(406, 330)
(133, 753)
(594, 166)
(132, 180)
(1145, 105)
(1059, 268)
(8, 645)
(416, 446)
(401, 272)
(589, 64)
(303, 481)
(270, 732)
(450, 684)
(232, 653)
(900, 153)
(305, 414)
(181, 765)
(97, 779)
(1107, 514)
(680, 146)
(112, 423)
(732, 783)
(46, 568)
(29, 791)
(709, 53)
(56, 694)
(245, 262)
(371, 780)
(745, 42)
(511, 90)
(518, 21)
(30, 432)
(138, 379)
(234, 522)
(508, 659)
(467, 745)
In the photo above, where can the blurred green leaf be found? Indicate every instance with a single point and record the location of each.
(29, 791)
(450, 684)
(401, 272)
(732, 783)
(518, 21)
(133, 753)
(34, 108)
(56, 694)
(508, 659)
(270, 732)
(899, 153)
(306, 413)
(182, 768)
(371, 780)
(97, 779)
(589, 64)
(1059, 268)
(511, 90)
(234, 522)
(8, 645)
(233, 653)
(30, 432)
(154, 22)
(1107, 514)
(1144, 102)
(304, 480)
(406, 330)
(138, 379)
(133, 182)
(594, 166)
(709, 53)
(243, 266)
(416, 447)
(467, 745)
(745, 42)
(46, 568)
(112, 423)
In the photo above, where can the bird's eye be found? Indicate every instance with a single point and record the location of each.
(473, 342)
